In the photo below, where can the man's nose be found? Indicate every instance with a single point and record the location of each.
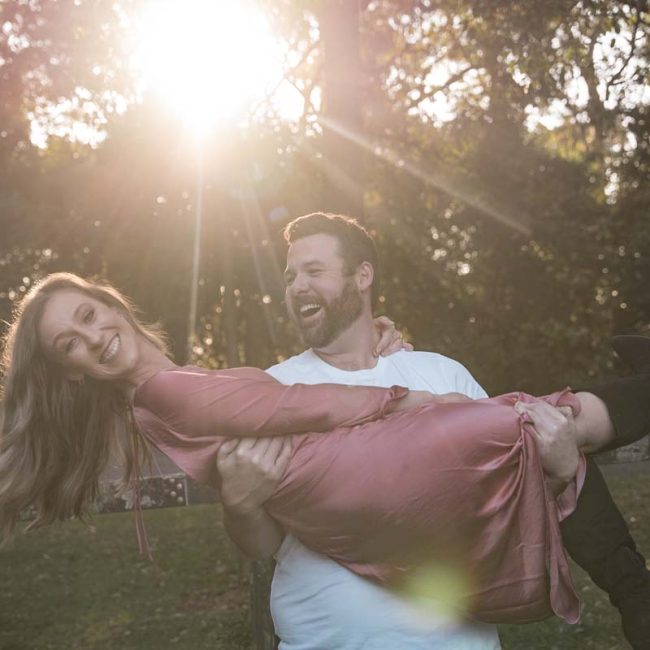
(299, 283)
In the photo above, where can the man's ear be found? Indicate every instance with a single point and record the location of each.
(365, 275)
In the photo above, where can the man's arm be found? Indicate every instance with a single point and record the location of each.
(251, 469)
(555, 431)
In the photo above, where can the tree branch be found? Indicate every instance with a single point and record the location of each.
(428, 95)
(614, 80)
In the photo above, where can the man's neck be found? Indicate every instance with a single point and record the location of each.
(354, 348)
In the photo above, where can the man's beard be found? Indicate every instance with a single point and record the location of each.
(337, 316)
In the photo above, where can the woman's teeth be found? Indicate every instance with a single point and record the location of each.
(111, 350)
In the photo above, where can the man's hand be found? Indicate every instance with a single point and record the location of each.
(556, 438)
(251, 470)
(390, 339)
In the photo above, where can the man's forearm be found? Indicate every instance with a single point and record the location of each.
(255, 532)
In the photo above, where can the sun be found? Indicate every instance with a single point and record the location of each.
(210, 60)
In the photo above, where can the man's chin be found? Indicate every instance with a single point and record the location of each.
(313, 338)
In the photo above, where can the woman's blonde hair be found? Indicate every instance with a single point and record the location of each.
(57, 435)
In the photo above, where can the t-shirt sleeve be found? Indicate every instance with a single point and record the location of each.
(465, 383)
(248, 402)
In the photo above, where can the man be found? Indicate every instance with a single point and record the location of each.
(316, 603)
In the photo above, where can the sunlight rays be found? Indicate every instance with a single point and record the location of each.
(209, 60)
(453, 186)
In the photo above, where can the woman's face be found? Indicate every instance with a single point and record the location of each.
(87, 337)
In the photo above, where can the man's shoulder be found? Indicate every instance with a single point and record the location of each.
(293, 366)
(308, 361)
(430, 360)
(439, 373)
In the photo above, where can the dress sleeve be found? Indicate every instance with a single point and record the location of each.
(248, 402)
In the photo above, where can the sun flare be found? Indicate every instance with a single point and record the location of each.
(210, 60)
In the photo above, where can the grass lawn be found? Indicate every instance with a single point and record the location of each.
(66, 588)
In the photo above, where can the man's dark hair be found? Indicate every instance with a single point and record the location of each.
(355, 243)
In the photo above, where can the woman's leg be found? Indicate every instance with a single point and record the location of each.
(628, 406)
(599, 540)
(559, 436)
(614, 414)
(596, 534)
(594, 427)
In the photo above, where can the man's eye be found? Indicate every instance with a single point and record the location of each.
(88, 316)
(70, 345)
(288, 279)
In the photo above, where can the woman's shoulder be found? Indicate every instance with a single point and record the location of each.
(182, 389)
(241, 372)
(176, 377)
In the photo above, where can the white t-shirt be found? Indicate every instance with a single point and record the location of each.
(317, 604)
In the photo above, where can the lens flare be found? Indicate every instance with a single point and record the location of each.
(438, 592)
(207, 59)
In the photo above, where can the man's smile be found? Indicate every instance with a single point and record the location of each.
(309, 310)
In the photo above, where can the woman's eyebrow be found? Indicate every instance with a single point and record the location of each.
(75, 315)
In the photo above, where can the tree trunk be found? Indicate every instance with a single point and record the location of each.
(343, 192)
(342, 107)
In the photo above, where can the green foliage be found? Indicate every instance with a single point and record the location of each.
(514, 247)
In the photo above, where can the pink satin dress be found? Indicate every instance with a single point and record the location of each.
(388, 495)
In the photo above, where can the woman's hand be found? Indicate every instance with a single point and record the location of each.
(555, 430)
(390, 339)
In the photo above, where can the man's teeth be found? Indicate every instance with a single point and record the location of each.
(310, 309)
(111, 350)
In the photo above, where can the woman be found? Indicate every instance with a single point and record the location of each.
(83, 374)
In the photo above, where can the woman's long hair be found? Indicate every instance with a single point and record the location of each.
(57, 435)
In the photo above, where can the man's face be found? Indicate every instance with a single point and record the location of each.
(323, 300)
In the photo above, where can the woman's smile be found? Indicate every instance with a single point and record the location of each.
(111, 350)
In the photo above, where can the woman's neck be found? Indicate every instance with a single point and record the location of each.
(151, 361)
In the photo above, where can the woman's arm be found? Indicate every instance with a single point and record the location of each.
(247, 402)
